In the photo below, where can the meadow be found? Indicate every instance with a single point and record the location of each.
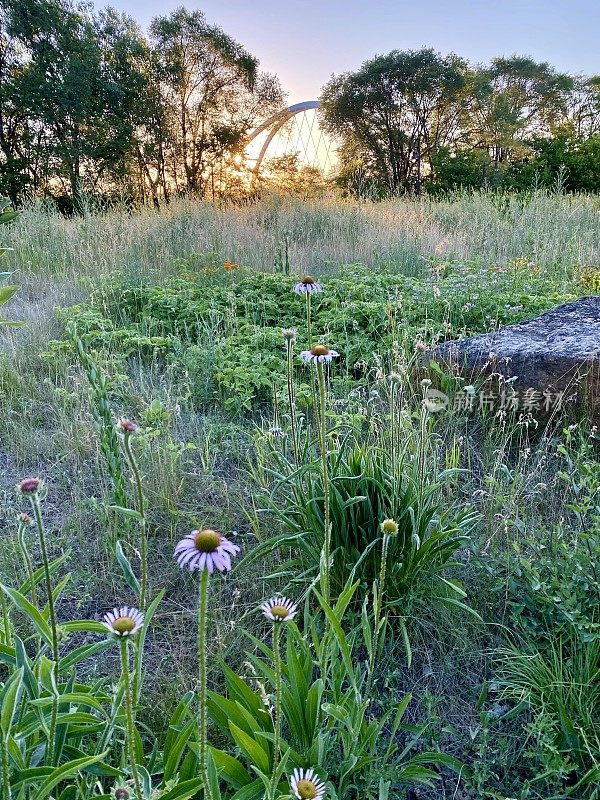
(444, 637)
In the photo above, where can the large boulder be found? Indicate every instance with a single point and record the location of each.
(553, 359)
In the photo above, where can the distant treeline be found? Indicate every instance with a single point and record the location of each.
(415, 119)
(92, 107)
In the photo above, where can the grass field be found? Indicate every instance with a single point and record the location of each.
(174, 321)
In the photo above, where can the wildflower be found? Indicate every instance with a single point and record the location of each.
(279, 609)
(276, 432)
(395, 378)
(305, 785)
(421, 347)
(230, 265)
(25, 519)
(318, 354)
(205, 549)
(389, 526)
(426, 383)
(307, 285)
(123, 621)
(289, 334)
(127, 426)
(30, 485)
(121, 794)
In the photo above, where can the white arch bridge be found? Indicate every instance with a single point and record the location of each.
(293, 130)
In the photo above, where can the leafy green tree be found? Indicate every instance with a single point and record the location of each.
(515, 100)
(212, 94)
(395, 111)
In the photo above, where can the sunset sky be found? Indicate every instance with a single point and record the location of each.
(304, 43)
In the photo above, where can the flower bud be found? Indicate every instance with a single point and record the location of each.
(30, 485)
(127, 426)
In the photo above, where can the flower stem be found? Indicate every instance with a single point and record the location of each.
(278, 703)
(291, 399)
(5, 619)
(141, 509)
(27, 562)
(130, 745)
(308, 320)
(202, 707)
(37, 513)
(377, 615)
(325, 469)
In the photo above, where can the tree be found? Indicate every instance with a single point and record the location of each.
(584, 107)
(396, 111)
(514, 100)
(212, 94)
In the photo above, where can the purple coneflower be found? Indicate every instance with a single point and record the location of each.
(318, 354)
(123, 621)
(305, 785)
(279, 609)
(307, 285)
(205, 549)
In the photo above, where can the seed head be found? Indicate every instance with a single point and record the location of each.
(390, 527)
(289, 334)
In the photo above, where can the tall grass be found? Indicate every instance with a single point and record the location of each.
(555, 231)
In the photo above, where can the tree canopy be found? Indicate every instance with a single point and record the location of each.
(91, 106)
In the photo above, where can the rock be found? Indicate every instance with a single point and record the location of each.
(558, 354)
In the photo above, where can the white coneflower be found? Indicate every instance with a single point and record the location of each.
(305, 785)
(123, 621)
(279, 609)
(307, 285)
(318, 354)
(205, 549)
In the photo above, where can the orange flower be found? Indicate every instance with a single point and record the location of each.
(230, 265)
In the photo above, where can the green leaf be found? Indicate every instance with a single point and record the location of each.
(6, 292)
(234, 772)
(126, 569)
(90, 625)
(253, 751)
(183, 790)
(62, 772)
(127, 512)
(81, 653)
(11, 695)
(23, 604)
